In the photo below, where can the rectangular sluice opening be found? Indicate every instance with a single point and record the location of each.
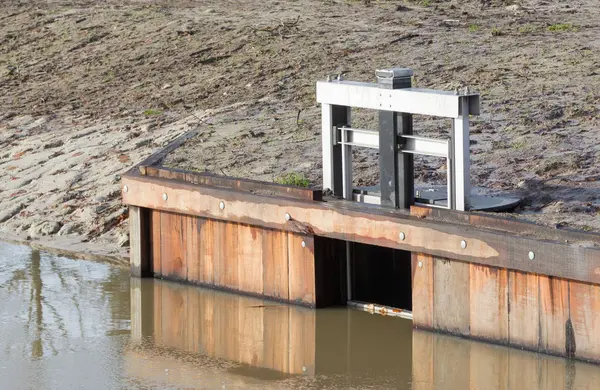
(381, 276)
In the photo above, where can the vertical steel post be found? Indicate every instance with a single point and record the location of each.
(331, 117)
(461, 158)
(396, 171)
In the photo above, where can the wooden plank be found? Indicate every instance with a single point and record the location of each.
(250, 259)
(489, 366)
(240, 184)
(370, 225)
(194, 321)
(220, 253)
(525, 370)
(251, 331)
(301, 268)
(524, 316)
(422, 286)
(512, 225)
(191, 233)
(585, 306)
(451, 296)
(277, 337)
(451, 362)
(275, 264)
(174, 317)
(230, 256)
(139, 237)
(302, 340)
(207, 251)
(155, 217)
(489, 303)
(157, 157)
(207, 303)
(422, 360)
(157, 312)
(173, 246)
(554, 314)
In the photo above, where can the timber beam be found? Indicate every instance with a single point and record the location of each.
(368, 225)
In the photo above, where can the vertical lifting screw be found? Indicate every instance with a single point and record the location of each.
(531, 255)
(402, 236)
(303, 244)
(222, 205)
(288, 217)
(463, 244)
(125, 189)
(165, 197)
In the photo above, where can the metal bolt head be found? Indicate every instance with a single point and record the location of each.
(402, 236)
(125, 189)
(420, 264)
(288, 217)
(531, 255)
(222, 205)
(303, 244)
(463, 244)
(165, 197)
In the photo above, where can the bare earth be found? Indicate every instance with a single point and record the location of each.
(87, 89)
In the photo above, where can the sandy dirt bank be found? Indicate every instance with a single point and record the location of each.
(88, 89)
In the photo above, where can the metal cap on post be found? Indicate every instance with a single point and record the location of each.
(396, 176)
(394, 78)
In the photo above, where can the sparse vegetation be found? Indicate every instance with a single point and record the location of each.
(518, 144)
(293, 179)
(473, 28)
(527, 29)
(496, 32)
(152, 112)
(562, 27)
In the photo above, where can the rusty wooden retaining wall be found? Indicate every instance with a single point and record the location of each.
(488, 278)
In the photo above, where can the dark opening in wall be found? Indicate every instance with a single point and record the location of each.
(381, 275)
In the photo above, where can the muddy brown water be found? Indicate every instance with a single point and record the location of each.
(76, 324)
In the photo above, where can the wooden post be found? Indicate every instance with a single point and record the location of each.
(139, 242)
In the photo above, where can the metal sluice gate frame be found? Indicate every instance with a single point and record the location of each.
(396, 101)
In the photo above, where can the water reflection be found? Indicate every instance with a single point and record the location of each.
(267, 341)
(66, 324)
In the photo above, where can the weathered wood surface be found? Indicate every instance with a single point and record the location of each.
(249, 185)
(370, 225)
(140, 251)
(234, 256)
(236, 328)
(504, 224)
(463, 364)
(530, 311)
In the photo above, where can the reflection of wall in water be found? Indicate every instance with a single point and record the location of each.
(265, 334)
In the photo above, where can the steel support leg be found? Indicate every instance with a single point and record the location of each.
(332, 117)
(461, 164)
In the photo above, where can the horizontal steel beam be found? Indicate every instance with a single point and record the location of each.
(407, 100)
(427, 146)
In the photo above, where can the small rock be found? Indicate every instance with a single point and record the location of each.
(166, 86)
(123, 240)
(147, 127)
(44, 228)
(513, 7)
(54, 144)
(66, 229)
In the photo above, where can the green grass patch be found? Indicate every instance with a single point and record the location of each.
(527, 29)
(293, 179)
(496, 32)
(562, 27)
(473, 28)
(152, 112)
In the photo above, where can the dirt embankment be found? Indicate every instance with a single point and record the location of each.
(88, 89)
